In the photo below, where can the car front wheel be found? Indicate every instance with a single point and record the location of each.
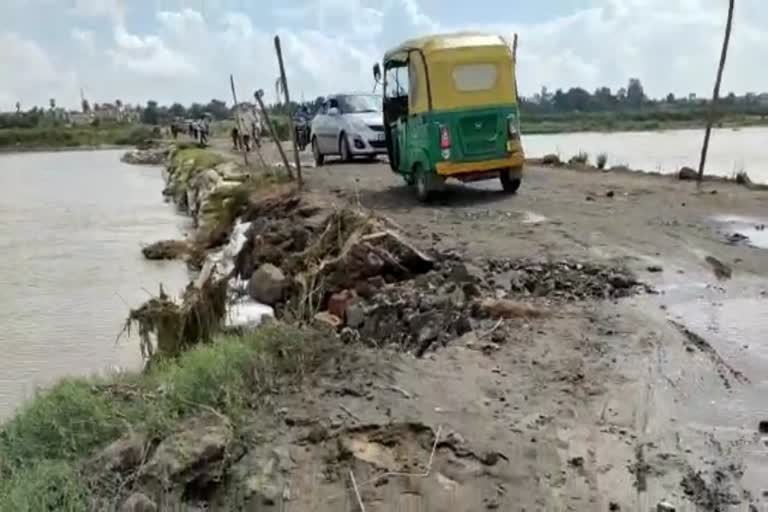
(346, 154)
(319, 158)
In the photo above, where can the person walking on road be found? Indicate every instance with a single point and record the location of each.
(235, 139)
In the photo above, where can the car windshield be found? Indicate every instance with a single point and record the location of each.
(360, 103)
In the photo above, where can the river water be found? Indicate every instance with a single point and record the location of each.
(72, 225)
(730, 150)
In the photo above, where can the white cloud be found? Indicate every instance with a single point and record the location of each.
(114, 9)
(85, 38)
(670, 46)
(36, 78)
(186, 49)
(148, 55)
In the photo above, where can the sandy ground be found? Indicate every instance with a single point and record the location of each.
(606, 405)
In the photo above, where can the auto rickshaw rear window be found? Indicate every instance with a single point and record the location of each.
(475, 77)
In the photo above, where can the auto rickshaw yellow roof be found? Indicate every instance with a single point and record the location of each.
(438, 42)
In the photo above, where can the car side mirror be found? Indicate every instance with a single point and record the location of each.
(333, 111)
(377, 72)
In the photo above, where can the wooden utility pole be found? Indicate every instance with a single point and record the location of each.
(716, 94)
(284, 81)
(237, 118)
(514, 61)
(258, 94)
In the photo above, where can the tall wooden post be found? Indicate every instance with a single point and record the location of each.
(273, 132)
(716, 93)
(237, 117)
(284, 80)
(514, 62)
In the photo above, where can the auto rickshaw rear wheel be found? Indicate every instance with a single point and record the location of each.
(424, 183)
(509, 183)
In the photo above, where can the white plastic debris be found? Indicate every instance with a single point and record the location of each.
(247, 313)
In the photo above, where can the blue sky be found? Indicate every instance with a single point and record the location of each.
(184, 50)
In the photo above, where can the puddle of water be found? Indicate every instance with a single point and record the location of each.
(738, 229)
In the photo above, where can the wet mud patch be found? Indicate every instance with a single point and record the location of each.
(695, 343)
(739, 230)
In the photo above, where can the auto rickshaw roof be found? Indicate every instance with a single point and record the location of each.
(438, 42)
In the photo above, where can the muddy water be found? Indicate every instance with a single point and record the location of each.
(730, 150)
(71, 228)
(732, 316)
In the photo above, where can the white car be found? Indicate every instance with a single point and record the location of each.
(349, 125)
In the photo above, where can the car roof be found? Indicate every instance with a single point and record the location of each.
(437, 42)
(337, 95)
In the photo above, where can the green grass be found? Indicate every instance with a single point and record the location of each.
(43, 446)
(45, 486)
(71, 137)
(196, 158)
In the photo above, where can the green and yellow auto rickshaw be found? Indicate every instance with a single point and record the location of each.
(450, 111)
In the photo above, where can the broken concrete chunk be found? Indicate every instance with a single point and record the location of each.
(327, 320)
(338, 303)
(267, 285)
(355, 314)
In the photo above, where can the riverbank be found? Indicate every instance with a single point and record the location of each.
(577, 384)
(611, 122)
(76, 137)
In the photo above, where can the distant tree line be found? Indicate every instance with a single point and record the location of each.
(633, 98)
(629, 100)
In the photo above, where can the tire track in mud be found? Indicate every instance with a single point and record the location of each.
(695, 342)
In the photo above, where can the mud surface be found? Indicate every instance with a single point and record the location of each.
(548, 374)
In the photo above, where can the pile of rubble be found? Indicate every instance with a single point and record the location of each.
(356, 273)
(566, 279)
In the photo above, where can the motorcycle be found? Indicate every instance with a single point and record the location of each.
(302, 126)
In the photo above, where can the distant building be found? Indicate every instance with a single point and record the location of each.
(80, 118)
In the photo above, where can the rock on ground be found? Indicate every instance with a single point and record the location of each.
(125, 454)
(195, 452)
(151, 156)
(267, 285)
(166, 250)
(138, 502)
(687, 174)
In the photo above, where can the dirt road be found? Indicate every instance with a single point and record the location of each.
(620, 404)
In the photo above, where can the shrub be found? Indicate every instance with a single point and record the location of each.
(602, 160)
(580, 158)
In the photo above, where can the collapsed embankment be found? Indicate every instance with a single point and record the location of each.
(326, 408)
